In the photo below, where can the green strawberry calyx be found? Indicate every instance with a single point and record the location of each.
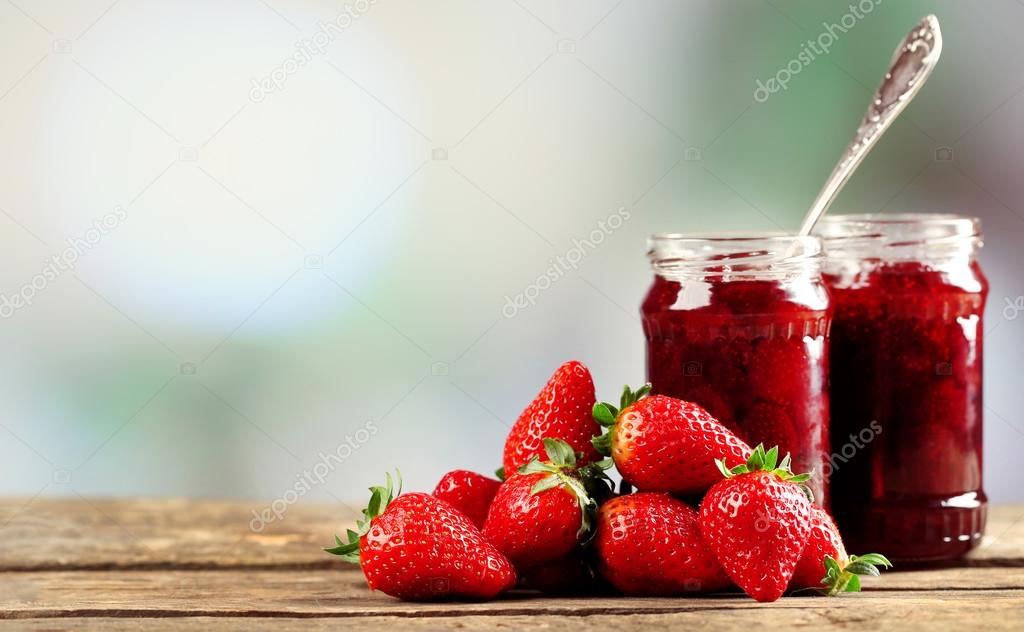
(607, 414)
(380, 498)
(768, 461)
(583, 482)
(840, 579)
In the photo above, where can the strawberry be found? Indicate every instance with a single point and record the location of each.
(543, 512)
(562, 410)
(417, 547)
(662, 444)
(469, 492)
(824, 563)
(650, 544)
(757, 521)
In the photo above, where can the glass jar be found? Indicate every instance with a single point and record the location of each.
(739, 325)
(906, 382)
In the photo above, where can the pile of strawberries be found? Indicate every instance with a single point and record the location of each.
(555, 522)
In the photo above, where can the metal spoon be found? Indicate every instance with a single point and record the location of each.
(913, 61)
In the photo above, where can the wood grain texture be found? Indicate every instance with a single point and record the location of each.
(176, 564)
(344, 593)
(1001, 612)
(173, 533)
(292, 594)
(988, 609)
(913, 615)
(140, 534)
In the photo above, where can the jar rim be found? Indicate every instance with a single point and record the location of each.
(924, 225)
(900, 235)
(731, 236)
(739, 254)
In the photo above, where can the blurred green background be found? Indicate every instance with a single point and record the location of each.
(327, 207)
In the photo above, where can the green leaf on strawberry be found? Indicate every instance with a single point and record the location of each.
(767, 461)
(607, 414)
(839, 579)
(584, 483)
(603, 444)
(380, 498)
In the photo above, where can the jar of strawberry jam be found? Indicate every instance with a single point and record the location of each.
(740, 326)
(906, 382)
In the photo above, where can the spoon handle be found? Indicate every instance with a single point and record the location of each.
(913, 61)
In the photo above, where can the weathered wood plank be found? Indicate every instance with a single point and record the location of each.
(990, 611)
(166, 533)
(155, 534)
(995, 610)
(344, 593)
(197, 565)
(963, 578)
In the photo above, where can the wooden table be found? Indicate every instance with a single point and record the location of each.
(177, 564)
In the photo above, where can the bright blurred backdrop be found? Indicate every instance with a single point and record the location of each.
(321, 261)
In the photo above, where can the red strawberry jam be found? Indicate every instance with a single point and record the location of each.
(739, 326)
(906, 383)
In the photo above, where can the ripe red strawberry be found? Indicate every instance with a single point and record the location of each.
(757, 521)
(542, 513)
(418, 547)
(650, 544)
(562, 410)
(662, 444)
(469, 492)
(824, 563)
